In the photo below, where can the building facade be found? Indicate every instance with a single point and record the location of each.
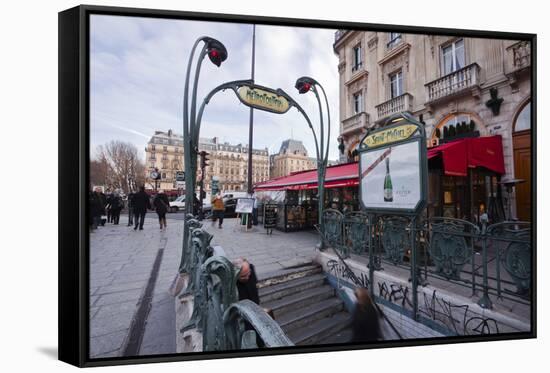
(292, 157)
(450, 84)
(230, 164)
(227, 162)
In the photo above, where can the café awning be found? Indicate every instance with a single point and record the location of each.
(459, 155)
(336, 176)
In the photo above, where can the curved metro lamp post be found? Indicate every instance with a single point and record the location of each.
(217, 53)
(304, 85)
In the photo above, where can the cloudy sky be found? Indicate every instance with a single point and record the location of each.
(138, 68)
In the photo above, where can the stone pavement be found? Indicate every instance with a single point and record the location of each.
(131, 310)
(268, 253)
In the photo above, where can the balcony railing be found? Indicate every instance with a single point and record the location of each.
(453, 83)
(355, 123)
(519, 56)
(394, 105)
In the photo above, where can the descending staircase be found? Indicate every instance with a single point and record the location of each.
(305, 306)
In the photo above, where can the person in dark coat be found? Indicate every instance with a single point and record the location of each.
(247, 282)
(131, 209)
(141, 204)
(97, 207)
(366, 320)
(116, 206)
(162, 205)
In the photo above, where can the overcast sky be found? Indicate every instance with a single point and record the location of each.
(138, 68)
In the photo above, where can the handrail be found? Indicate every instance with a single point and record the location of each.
(269, 330)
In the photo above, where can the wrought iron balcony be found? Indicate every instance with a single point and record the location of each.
(355, 123)
(461, 81)
(395, 105)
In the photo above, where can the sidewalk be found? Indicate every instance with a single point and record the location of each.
(268, 253)
(131, 311)
(129, 299)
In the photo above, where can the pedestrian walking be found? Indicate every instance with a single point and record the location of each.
(366, 320)
(116, 206)
(131, 208)
(141, 204)
(161, 204)
(218, 210)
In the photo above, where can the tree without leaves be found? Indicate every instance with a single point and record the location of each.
(118, 166)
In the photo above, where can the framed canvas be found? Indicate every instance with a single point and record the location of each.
(388, 173)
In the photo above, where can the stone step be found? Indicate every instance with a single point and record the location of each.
(280, 276)
(299, 300)
(284, 289)
(342, 336)
(307, 315)
(319, 331)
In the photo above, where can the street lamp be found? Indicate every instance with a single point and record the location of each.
(217, 53)
(304, 85)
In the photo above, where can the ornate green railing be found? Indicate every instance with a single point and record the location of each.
(490, 258)
(224, 322)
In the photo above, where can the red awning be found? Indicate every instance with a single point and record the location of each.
(457, 157)
(475, 152)
(336, 176)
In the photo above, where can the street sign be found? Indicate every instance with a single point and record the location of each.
(215, 185)
(393, 167)
(180, 184)
(180, 176)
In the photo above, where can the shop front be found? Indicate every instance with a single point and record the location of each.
(296, 195)
(464, 182)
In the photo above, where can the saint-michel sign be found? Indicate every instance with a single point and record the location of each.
(390, 135)
(263, 99)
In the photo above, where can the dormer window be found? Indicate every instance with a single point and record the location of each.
(395, 38)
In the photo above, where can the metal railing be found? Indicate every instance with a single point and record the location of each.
(394, 105)
(453, 83)
(224, 322)
(488, 259)
(352, 235)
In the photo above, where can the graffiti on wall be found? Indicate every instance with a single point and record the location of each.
(339, 270)
(457, 318)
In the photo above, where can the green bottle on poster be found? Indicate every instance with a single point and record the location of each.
(388, 188)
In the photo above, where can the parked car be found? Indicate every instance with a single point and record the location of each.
(178, 204)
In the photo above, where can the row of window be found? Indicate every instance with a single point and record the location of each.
(453, 59)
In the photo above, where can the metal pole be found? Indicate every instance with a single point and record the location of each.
(414, 274)
(251, 120)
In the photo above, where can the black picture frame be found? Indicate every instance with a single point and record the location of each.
(74, 150)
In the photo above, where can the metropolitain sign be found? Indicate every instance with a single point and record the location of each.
(263, 99)
(390, 135)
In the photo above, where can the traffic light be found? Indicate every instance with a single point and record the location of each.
(204, 159)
